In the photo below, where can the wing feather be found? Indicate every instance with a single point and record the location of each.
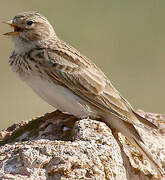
(76, 72)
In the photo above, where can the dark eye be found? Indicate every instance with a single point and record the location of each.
(29, 23)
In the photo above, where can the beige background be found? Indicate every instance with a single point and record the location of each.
(125, 38)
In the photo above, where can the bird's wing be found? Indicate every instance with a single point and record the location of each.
(76, 72)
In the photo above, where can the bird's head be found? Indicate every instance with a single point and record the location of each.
(30, 27)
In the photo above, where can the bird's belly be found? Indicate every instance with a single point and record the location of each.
(60, 97)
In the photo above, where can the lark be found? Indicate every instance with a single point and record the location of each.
(68, 80)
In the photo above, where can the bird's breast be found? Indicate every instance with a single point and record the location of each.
(54, 94)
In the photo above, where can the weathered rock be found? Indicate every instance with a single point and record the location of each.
(58, 146)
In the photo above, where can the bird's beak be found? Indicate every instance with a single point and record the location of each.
(16, 27)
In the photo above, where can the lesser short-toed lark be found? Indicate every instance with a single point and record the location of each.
(69, 81)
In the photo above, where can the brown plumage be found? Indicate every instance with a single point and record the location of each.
(68, 80)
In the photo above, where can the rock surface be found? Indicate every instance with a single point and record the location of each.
(59, 146)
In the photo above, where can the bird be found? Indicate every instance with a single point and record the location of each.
(69, 81)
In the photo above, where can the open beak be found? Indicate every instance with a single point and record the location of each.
(16, 27)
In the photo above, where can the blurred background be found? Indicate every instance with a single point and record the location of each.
(126, 39)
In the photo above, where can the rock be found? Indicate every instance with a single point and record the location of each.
(59, 146)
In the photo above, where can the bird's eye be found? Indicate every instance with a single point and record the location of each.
(29, 23)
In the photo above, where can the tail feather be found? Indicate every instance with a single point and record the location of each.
(145, 121)
(144, 150)
(128, 130)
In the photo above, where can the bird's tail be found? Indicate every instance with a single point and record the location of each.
(128, 130)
